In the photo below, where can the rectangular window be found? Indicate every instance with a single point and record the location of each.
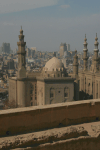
(31, 91)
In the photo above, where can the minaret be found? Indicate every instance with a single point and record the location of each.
(21, 56)
(75, 75)
(75, 63)
(85, 57)
(95, 58)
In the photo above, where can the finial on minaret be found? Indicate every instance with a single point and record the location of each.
(21, 31)
(85, 39)
(85, 42)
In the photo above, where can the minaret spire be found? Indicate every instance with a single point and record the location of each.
(75, 63)
(85, 57)
(96, 50)
(21, 56)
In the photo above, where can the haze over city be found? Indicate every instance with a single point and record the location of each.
(47, 23)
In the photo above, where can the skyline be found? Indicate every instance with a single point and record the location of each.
(48, 23)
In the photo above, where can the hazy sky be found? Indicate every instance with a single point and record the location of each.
(47, 23)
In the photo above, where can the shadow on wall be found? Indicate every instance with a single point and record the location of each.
(84, 96)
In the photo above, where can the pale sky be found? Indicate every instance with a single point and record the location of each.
(47, 23)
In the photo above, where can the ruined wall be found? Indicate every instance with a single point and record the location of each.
(22, 120)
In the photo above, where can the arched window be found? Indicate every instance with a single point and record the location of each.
(52, 93)
(31, 88)
(66, 92)
(89, 88)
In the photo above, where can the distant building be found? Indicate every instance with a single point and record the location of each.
(10, 64)
(63, 49)
(33, 48)
(30, 52)
(5, 48)
(68, 47)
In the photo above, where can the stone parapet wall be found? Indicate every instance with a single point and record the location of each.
(37, 118)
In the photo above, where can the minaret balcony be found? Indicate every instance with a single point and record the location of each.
(85, 58)
(21, 43)
(21, 52)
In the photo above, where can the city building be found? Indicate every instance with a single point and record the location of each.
(5, 48)
(68, 47)
(63, 49)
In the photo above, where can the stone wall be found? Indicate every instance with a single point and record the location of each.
(83, 136)
(37, 118)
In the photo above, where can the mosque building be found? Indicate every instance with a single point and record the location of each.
(52, 85)
(89, 79)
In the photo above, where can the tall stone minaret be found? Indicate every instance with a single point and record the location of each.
(85, 57)
(75, 75)
(21, 56)
(95, 58)
(75, 63)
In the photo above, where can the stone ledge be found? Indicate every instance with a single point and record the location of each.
(67, 104)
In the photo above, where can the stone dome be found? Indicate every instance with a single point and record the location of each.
(53, 64)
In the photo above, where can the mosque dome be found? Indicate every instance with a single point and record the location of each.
(53, 64)
(54, 68)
